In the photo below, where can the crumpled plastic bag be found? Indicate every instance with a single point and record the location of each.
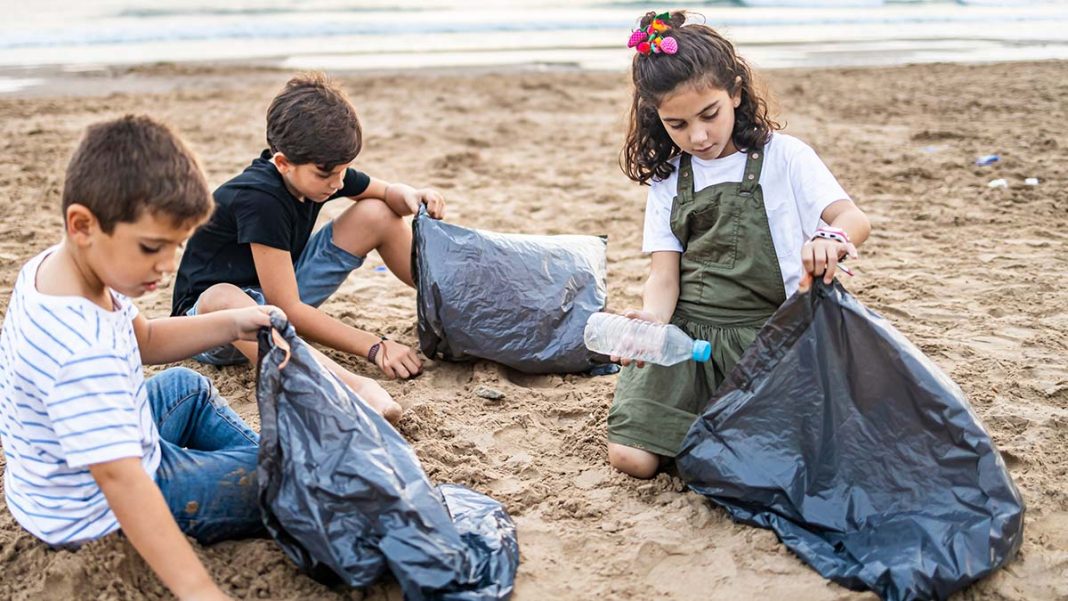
(864, 458)
(516, 299)
(345, 497)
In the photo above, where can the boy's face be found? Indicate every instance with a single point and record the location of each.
(134, 257)
(309, 181)
(700, 120)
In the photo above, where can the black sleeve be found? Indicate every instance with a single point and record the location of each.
(263, 219)
(355, 183)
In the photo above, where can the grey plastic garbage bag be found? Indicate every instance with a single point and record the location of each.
(864, 458)
(345, 497)
(516, 299)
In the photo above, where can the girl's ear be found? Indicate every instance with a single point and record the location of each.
(81, 224)
(736, 97)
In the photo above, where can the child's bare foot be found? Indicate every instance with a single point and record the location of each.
(392, 411)
(377, 397)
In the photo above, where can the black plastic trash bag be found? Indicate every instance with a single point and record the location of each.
(516, 299)
(345, 497)
(842, 437)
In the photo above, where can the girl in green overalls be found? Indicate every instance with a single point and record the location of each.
(733, 223)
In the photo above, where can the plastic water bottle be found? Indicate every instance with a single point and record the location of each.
(639, 340)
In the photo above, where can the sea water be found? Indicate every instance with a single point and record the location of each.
(588, 34)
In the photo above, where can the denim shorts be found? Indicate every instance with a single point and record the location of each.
(320, 271)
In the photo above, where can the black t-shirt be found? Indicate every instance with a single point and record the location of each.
(254, 207)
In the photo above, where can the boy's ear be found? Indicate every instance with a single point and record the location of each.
(81, 224)
(282, 162)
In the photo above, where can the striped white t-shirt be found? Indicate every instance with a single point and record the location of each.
(71, 395)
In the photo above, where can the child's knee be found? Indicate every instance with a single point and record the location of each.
(633, 461)
(177, 383)
(372, 213)
(223, 296)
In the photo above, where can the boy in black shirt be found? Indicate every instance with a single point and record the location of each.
(259, 248)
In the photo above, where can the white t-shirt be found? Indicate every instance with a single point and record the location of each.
(796, 185)
(72, 394)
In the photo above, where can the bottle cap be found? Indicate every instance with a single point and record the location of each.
(702, 350)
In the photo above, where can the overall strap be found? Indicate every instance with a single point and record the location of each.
(754, 160)
(684, 186)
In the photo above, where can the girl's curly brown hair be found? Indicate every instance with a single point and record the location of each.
(704, 57)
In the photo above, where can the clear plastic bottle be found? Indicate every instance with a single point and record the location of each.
(639, 340)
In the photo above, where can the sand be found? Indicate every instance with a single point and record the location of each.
(973, 275)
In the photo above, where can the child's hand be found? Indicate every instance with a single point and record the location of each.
(397, 360)
(640, 315)
(434, 201)
(248, 321)
(820, 257)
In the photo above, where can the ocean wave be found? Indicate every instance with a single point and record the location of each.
(286, 23)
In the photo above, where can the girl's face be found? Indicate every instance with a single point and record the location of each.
(700, 119)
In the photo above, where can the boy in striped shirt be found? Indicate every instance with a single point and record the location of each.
(90, 445)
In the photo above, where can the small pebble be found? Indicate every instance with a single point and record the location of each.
(998, 183)
(488, 393)
(1031, 181)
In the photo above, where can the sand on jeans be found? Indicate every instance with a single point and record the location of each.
(974, 275)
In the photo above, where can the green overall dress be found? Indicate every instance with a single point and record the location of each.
(729, 285)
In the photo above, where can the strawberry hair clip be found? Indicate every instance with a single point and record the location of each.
(651, 40)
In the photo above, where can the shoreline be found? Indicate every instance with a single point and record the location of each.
(101, 80)
(498, 38)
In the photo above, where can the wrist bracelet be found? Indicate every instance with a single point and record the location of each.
(372, 353)
(833, 233)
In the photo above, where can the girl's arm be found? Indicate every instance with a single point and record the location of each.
(820, 257)
(662, 288)
(845, 215)
(404, 199)
(660, 295)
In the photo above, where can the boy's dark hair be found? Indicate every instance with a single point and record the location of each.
(704, 57)
(131, 164)
(312, 121)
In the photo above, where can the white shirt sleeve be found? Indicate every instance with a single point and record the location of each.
(658, 235)
(814, 186)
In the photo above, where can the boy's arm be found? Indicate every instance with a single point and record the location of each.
(279, 283)
(146, 520)
(404, 199)
(173, 339)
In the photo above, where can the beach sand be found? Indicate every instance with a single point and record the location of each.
(974, 275)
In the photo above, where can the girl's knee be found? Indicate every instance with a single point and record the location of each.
(223, 296)
(633, 461)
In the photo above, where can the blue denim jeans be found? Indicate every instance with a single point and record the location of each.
(320, 271)
(208, 467)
